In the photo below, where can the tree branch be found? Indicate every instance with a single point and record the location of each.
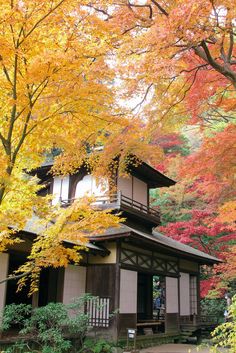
(160, 8)
(144, 98)
(13, 112)
(16, 277)
(100, 10)
(206, 56)
(5, 70)
(143, 6)
(184, 94)
(231, 45)
(41, 20)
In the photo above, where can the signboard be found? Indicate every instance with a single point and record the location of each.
(131, 337)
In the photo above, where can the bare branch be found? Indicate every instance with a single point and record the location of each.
(130, 29)
(143, 6)
(104, 12)
(160, 8)
(184, 94)
(223, 54)
(144, 98)
(215, 12)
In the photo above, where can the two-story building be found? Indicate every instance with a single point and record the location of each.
(148, 281)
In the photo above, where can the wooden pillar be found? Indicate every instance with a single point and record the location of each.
(4, 263)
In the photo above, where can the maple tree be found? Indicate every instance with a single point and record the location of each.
(60, 62)
(217, 156)
(201, 232)
(184, 71)
(56, 92)
(179, 69)
(215, 160)
(192, 210)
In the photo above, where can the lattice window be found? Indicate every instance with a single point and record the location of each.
(144, 261)
(150, 262)
(159, 265)
(172, 267)
(98, 312)
(193, 295)
(128, 257)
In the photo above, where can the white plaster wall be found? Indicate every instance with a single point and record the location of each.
(125, 186)
(128, 292)
(172, 297)
(89, 186)
(109, 259)
(184, 294)
(84, 187)
(60, 189)
(74, 283)
(4, 259)
(139, 191)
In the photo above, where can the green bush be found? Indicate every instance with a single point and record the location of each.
(14, 314)
(225, 334)
(214, 307)
(100, 346)
(47, 329)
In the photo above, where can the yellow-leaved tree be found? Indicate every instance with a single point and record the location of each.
(56, 91)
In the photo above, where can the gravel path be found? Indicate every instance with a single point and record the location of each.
(177, 348)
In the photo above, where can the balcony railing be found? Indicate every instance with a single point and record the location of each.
(118, 200)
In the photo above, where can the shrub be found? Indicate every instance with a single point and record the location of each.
(48, 328)
(100, 346)
(214, 307)
(225, 334)
(14, 314)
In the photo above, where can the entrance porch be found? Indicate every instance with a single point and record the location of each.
(150, 303)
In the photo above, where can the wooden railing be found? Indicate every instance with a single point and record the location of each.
(127, 201)
(97, 310)
(97, 200)
(118, 200)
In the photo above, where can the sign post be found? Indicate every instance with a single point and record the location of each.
(131, 338)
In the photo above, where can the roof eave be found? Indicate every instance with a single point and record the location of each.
(154, 178)
(200, 259)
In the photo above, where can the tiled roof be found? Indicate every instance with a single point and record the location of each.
(157, 238)
(33, 227)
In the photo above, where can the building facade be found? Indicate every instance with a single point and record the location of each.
(141, 278)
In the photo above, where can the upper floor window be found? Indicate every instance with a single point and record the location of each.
(60, 189)
(193, 295)
(134, 189)
(89, 186)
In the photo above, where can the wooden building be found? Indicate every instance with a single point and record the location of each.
(147, 280)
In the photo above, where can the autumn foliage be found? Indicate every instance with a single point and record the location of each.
(56, 93)
(76, 75)
(180, 57)
(200, 209)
